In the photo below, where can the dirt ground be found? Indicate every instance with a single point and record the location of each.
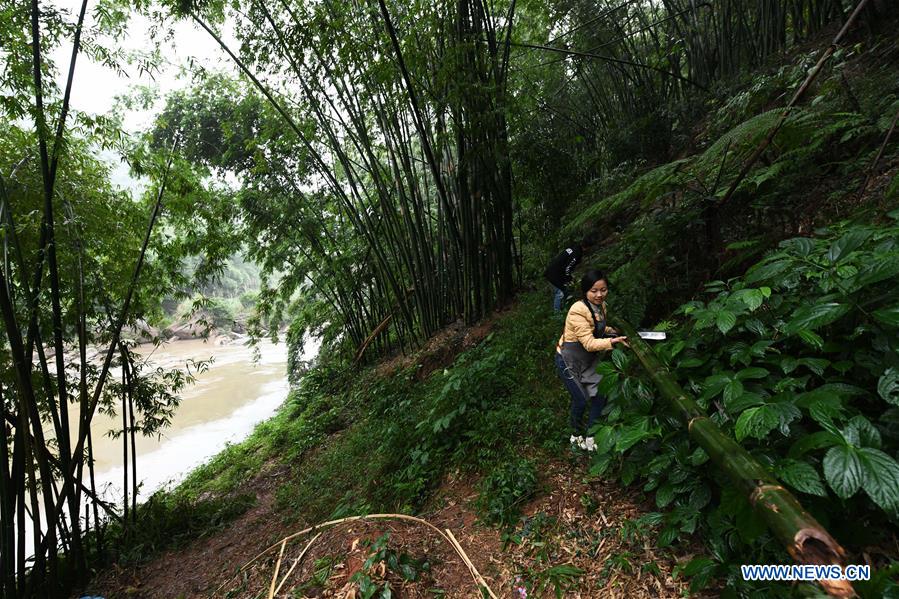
(573, 537)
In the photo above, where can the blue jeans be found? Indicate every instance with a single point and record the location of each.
(558, 297)
(579, 400)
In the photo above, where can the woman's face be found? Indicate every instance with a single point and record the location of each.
(598, 292)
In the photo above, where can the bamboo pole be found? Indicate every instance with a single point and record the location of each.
(804, 538)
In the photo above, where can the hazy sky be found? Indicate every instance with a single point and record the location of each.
(96, 86)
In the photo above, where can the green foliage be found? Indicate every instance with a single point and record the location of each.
(797, 360)
(504, 490)
(376, 586)
(171, 520)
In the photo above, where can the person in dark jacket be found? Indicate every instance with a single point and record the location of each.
(558, 273)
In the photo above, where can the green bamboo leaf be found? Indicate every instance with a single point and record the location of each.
(888, 316)
(801, 476)
(812, 317)
(881, 479)
(888, 386)
(843, 470)
(846, 244)
(725, 321)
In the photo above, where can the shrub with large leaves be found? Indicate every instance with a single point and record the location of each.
(799, 361)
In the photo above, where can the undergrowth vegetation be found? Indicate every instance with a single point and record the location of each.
(798, 359)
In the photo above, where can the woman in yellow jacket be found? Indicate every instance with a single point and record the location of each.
(584, 337)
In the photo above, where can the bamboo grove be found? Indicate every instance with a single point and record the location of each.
(391, 186)
(74, 250)
(397, 162)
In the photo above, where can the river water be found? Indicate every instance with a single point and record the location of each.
(223, 406)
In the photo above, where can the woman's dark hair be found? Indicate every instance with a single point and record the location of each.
(590, 279)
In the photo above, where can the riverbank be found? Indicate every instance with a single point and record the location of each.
(468, 434)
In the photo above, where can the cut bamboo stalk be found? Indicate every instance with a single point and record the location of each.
(804, 538)
(296, 563)
(271, 589)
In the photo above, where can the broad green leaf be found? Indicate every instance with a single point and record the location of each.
(700, 497)
(811, 338)
(860, 432)
(880, 271)
(601, 464)
(756, 422)
(818, 440)
(725, 321)
(620, 359)
(812, 317)
(825, 409)
(801, 476)
(846, 244)
(756, 326)
(664, 495)
(889, 316)
(753, 298)
(605, 439)
(690, 363)
(803, 246)
(732, 391)
(786, 412)
(752, 373)
(631, 435)
(816, 365)
(747, 400)
(767, 271)
(608, 382)
(788, 364)
(699, 457)
(881, 479)
(843, 470)
(888, 386)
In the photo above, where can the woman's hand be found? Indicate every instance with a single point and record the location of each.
(622, 340)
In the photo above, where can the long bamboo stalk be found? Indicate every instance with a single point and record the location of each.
(804, 538)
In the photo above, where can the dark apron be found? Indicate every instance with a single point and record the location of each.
(582, 363)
